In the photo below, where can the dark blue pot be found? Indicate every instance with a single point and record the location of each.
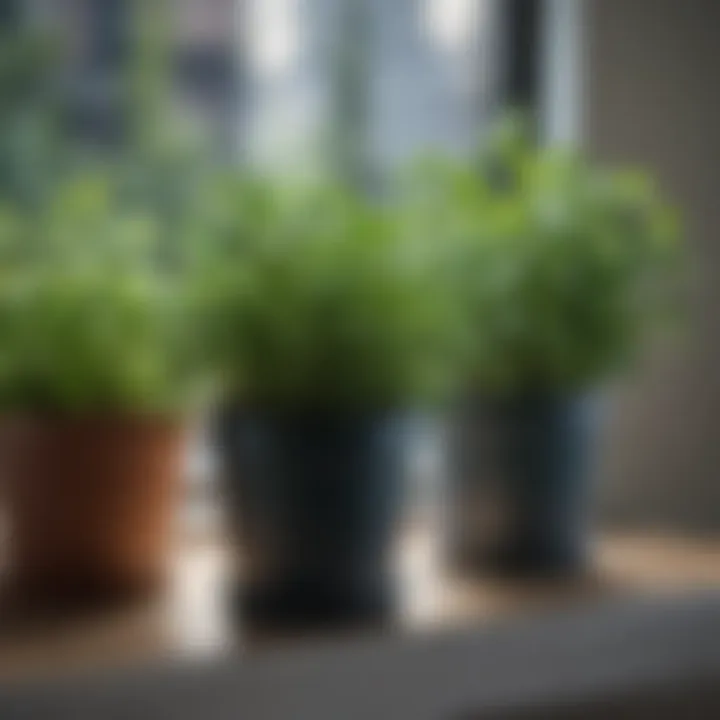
(531, 456)
(314, 498)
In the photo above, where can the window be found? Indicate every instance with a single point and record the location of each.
(393, 77)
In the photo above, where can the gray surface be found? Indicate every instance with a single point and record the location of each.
(652, 100)
(616, 656)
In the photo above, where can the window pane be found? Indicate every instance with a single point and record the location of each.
(431, 74)
(416, 74)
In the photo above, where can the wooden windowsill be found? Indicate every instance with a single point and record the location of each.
(191, 618)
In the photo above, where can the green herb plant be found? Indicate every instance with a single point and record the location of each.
(563, 267)
(311, 297)
(91, 319)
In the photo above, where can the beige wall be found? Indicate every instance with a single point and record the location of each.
(653, 97)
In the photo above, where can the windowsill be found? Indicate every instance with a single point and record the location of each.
(190, 620)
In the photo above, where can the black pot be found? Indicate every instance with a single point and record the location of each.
(525, 460)
(314, 497)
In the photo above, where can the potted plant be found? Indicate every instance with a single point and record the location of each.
(329, 333)
(564, 268)
(94, 374)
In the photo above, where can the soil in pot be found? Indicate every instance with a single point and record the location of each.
(90, 503)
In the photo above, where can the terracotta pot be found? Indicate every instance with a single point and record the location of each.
(90, 503)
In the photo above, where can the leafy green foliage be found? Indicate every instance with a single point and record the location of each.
(94, 313)
(90, 317)
(562, 266)
(310, 297)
